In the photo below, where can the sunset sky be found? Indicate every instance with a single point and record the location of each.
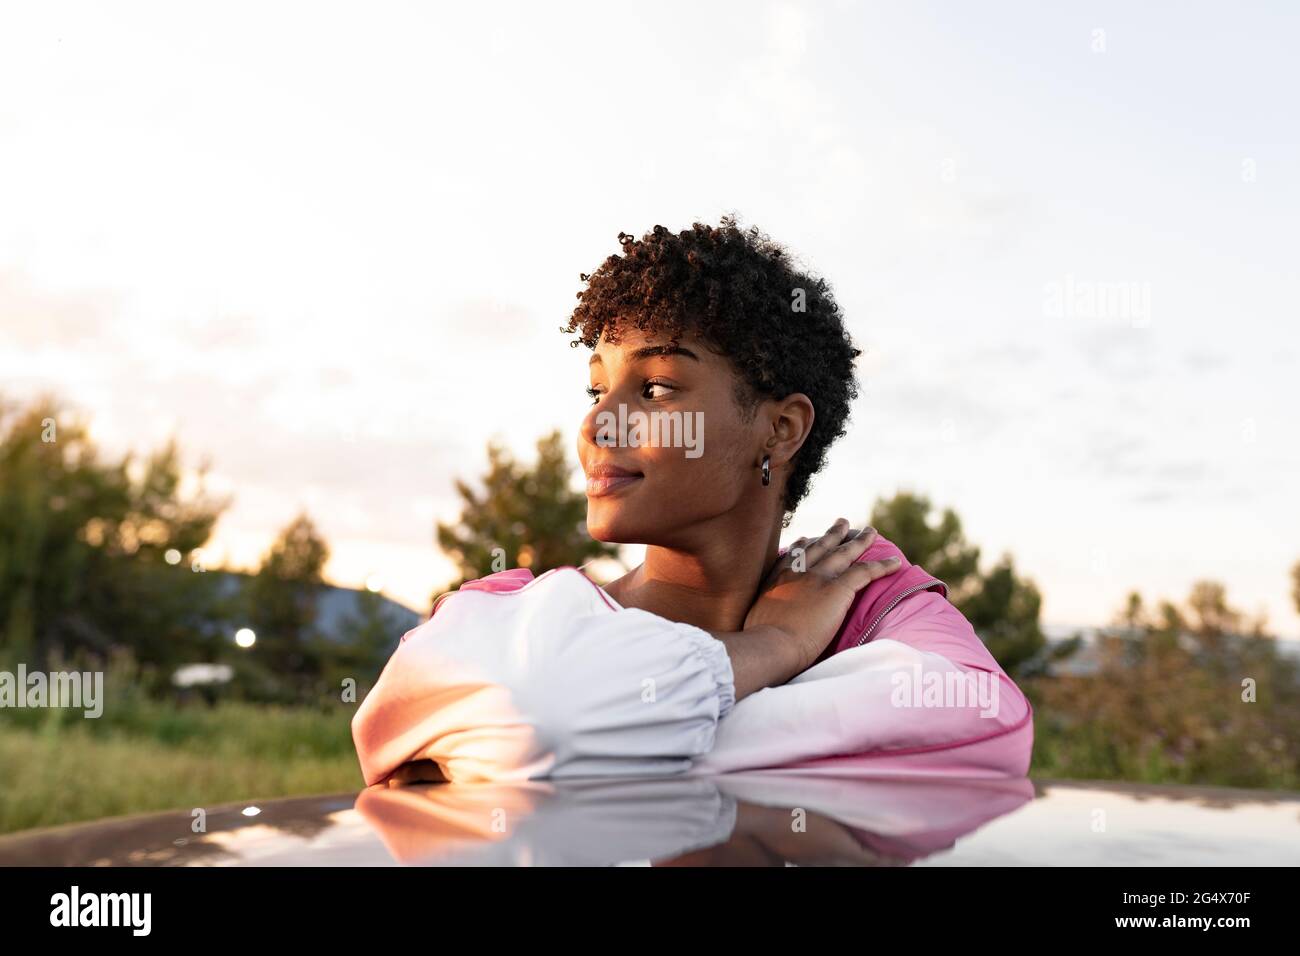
(330, 252)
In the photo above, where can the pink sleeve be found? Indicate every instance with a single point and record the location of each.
(928, 622)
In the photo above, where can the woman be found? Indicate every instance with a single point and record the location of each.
(734, 371)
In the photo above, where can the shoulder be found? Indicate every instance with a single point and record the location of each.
(883, 548)
(874, 600)
(500, 582)
(504, 593)
(929, 622)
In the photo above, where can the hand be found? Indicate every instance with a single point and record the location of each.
(417, 771)
(809, 605)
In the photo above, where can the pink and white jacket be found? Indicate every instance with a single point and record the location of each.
(519, 677)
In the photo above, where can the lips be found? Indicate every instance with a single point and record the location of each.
(607, 479)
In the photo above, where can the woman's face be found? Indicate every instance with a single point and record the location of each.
(665, 446)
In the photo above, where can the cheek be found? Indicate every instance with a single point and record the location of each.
(708, 478)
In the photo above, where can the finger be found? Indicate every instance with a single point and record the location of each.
(783, 562)
(823, 545)
(795, 554)
(838, 561)
(861, 573)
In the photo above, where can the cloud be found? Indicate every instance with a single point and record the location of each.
(1204, 362)
(36, 320)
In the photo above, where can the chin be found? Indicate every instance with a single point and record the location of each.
(613, 523)
(603, 525)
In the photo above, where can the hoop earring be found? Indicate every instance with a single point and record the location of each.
(767, 470)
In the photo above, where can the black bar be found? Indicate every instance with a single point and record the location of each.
(369, 906)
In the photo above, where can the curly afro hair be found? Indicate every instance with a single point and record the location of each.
(739, 291)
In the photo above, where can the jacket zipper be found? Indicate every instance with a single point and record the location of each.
(894, 603)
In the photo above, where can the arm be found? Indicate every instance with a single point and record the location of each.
(760, 657)
(548, 680)
(924, 697)
(931, 624)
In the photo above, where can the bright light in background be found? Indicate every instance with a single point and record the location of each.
(251, 811)
(172, 556)
(374, 583)
(245, 637)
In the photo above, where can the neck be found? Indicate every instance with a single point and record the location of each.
(710, 581)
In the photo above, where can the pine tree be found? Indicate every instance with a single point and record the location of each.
(282, 603)
(523, 518)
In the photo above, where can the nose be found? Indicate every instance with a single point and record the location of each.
(591, 423)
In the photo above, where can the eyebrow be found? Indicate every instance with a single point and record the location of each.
(651, 351)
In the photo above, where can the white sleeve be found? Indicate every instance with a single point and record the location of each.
(546, 681)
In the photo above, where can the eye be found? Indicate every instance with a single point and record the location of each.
(594, 393)
(648, 390)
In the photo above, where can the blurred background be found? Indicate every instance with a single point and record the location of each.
(280, 360)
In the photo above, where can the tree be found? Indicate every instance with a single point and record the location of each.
(1133, 616)
(1002, 607)
(94, 553)
(368, 635)
(528, 518)
(1208, 603)
(1180, 696)
(1004, 612)
(282, 599)
(939, 546)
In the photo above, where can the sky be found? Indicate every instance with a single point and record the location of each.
(329, 249)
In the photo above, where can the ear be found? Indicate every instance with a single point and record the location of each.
(790, 419)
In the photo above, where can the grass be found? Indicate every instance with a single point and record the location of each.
(1077, 750)
(153, 756)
